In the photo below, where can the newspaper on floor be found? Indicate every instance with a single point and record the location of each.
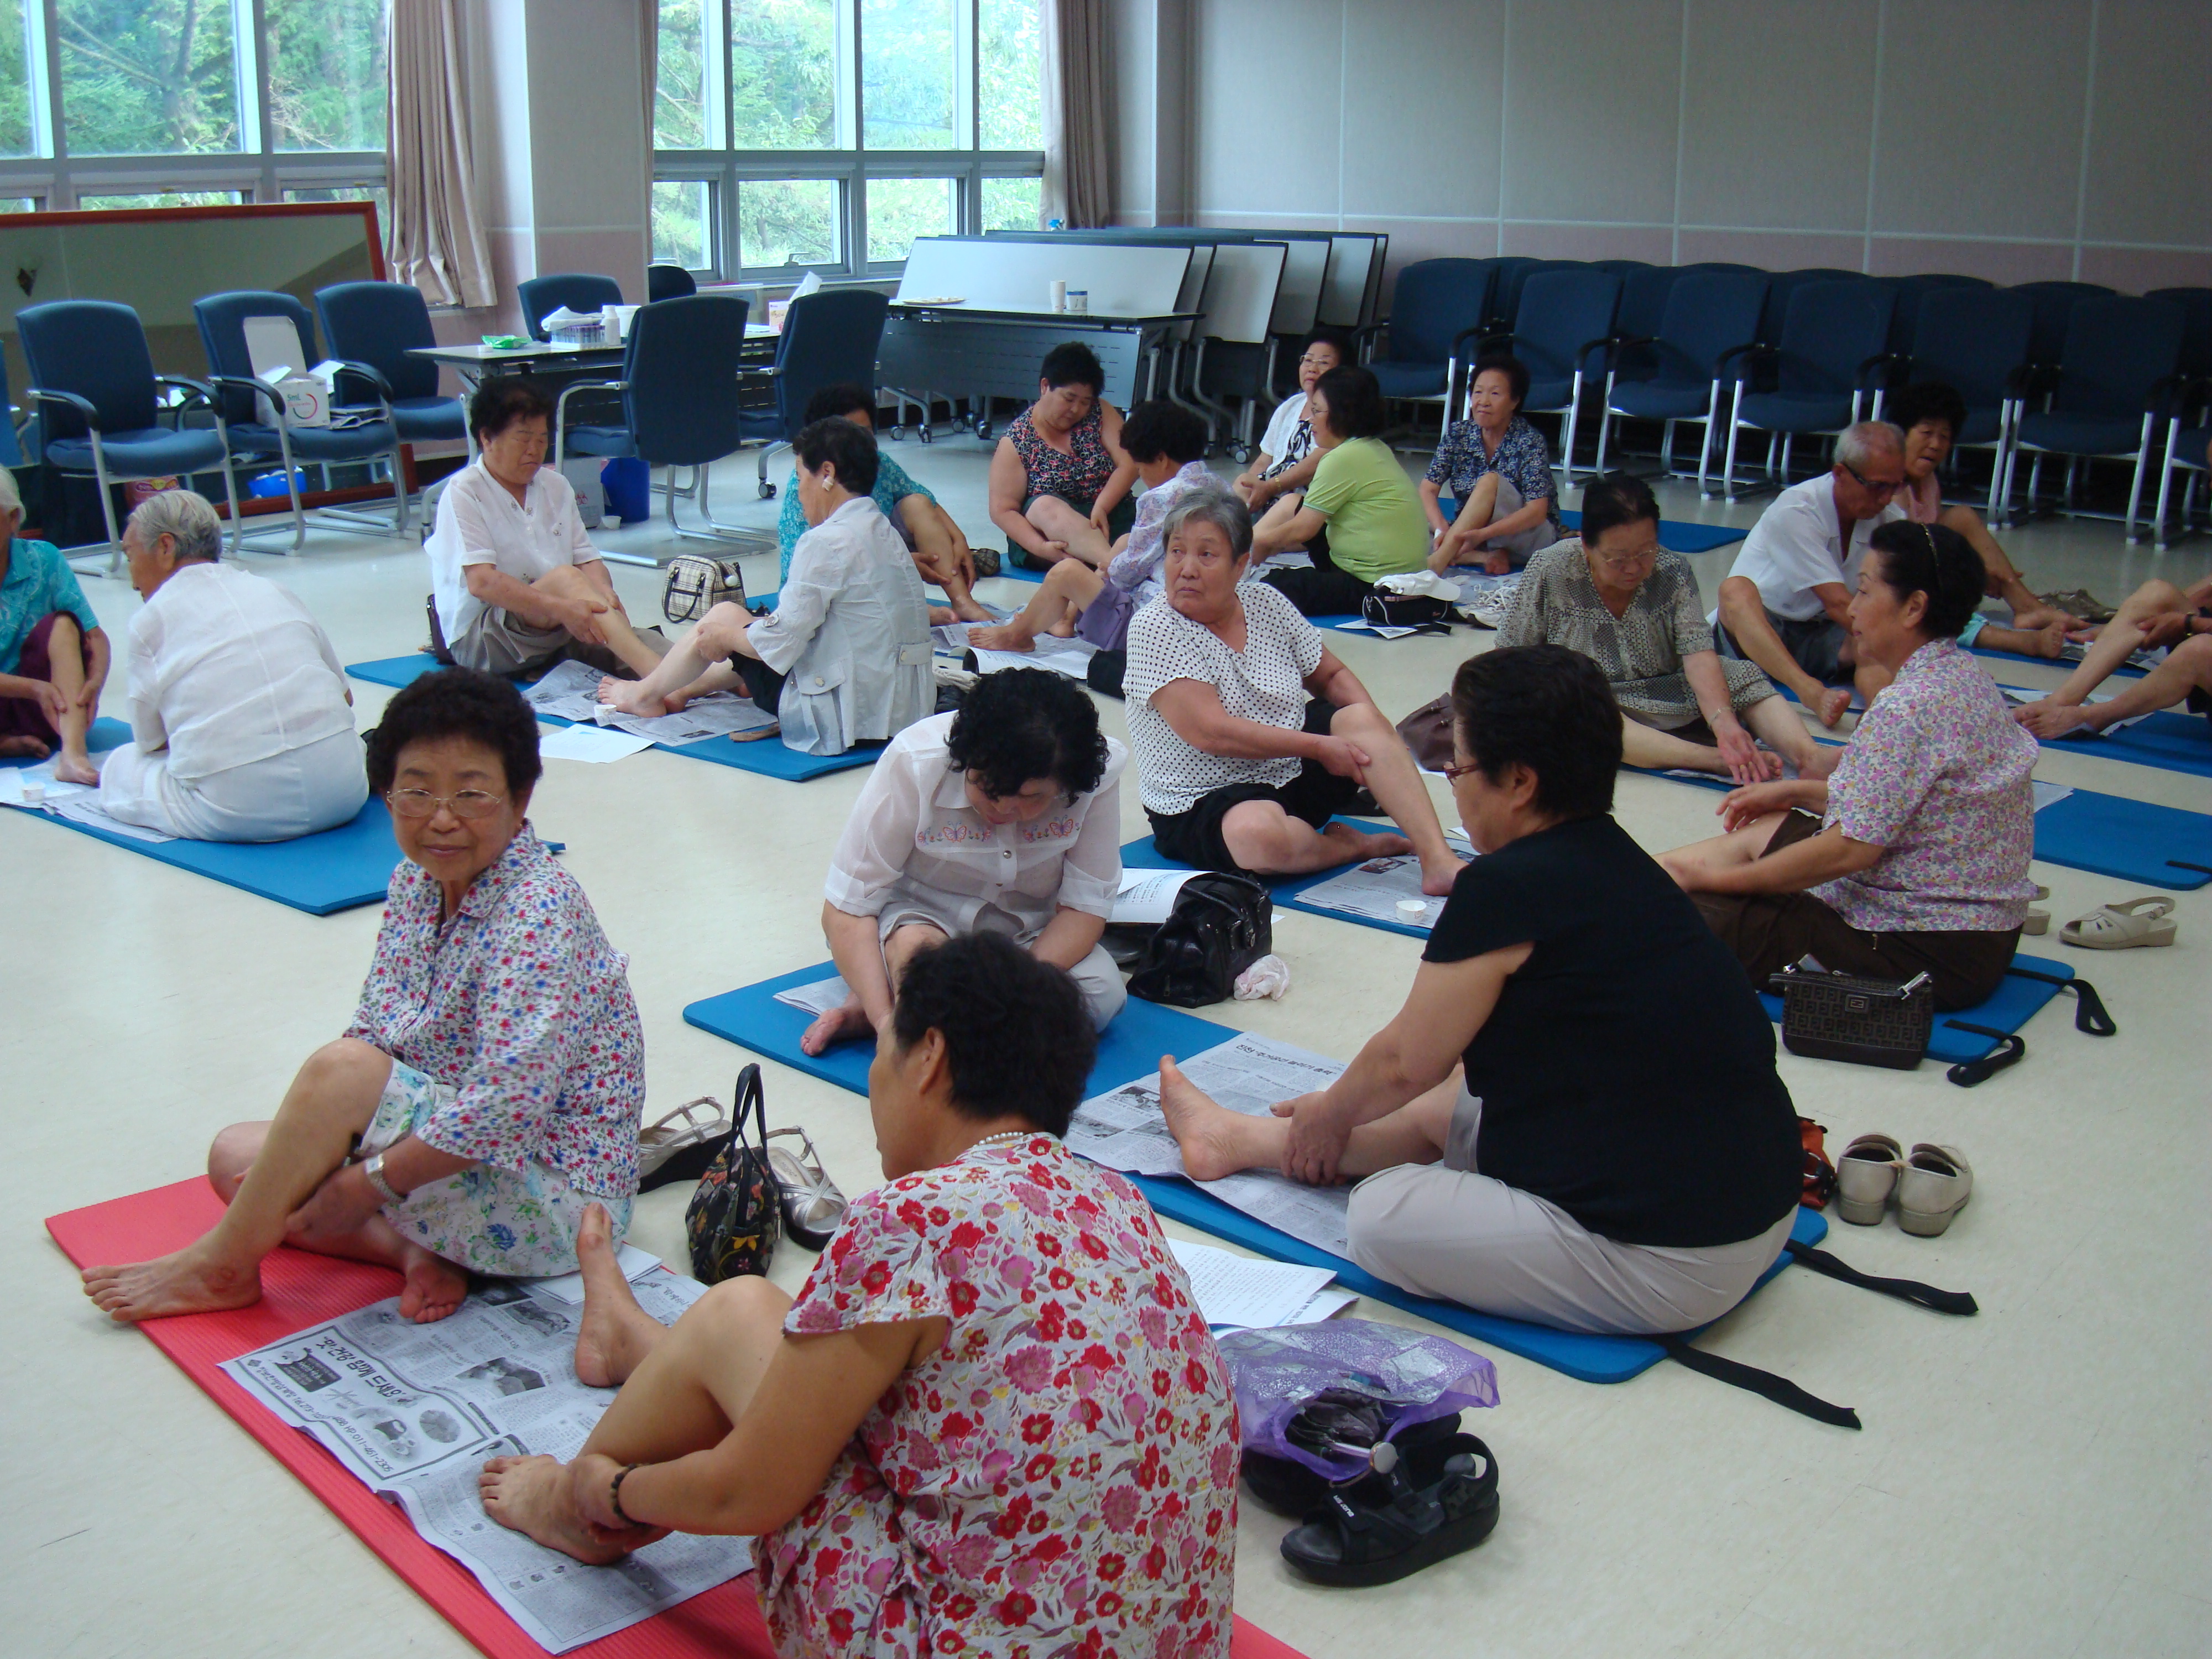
(1148, 896)
(1295, 558)
(1068, 656)
(2021, 695)
(951, 639)
(85, 809)
(1380, 631)
(415, 1410)
(817, 999)
(1374, 890)
(50, 788)
(2049, 794)
(1254, 1293)
(570, 691)
(1123, 1130)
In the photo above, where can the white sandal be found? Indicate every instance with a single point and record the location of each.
(681, 1143)
(2140, 921)
(813, 1208)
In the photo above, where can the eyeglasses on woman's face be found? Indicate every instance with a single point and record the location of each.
(1623, 564)
(422, 803)
(1454, 770)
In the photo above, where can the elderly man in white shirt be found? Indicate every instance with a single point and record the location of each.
(242, 725)
(845, 657)
(1786, 604)
(1004, 817)
(516, 584)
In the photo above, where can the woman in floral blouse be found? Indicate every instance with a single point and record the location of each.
(992, 1422)
(488, 1090)
(1916, 861)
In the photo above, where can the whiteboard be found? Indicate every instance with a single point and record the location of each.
(1000, 274)
(1192, 295)
(1297, 302)
(1344, 295)
(1241, 290)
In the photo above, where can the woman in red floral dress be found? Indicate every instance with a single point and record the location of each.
(994, 1422)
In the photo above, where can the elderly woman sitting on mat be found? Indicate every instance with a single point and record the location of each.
(1622, 600)
(54, 652)
(1495, 466)
(993, 1421)
(1575, 1119)
(1059, 482)
(1004, 817)
(1249, 734)
(488, 1089)
(1912, 857)
(844, 658)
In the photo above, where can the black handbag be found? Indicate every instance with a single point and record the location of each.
(734, 1216)
(1386, 610)
(1867, 1022)
(1220, 926)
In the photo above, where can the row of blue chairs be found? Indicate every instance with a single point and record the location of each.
(2065, 369)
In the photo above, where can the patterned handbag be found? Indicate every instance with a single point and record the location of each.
(732, 1219)
(696, 585)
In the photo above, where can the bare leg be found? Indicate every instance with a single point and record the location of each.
(2029, 614)
(2187, 667)
(640, 653)
(1456, 545)
(1061, 523)
(1271, 528)
(329, 1102)
(1395, 783)
(1743, 613)
(65, 660)
(1067, 591)
(2120, 639)
(1739, 847)
(1217, 1142)
(676, 677)
(941, 553)
(851, 1020)
(1774, 721)
(2049, 640)
(1268, 842)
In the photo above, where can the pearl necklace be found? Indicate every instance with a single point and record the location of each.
(1005, 1137)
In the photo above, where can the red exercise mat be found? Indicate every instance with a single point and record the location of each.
(299, 1290)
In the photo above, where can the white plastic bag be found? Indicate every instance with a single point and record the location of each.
(1270, 977)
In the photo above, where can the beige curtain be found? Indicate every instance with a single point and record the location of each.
(1077, 179)
(437, 240)
(649, 43)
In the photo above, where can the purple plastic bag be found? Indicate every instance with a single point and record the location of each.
(1275, 1372)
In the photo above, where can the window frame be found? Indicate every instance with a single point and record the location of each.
(261, 173)
(725, 170)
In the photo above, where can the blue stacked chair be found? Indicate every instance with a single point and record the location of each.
(668, 283)
(2190, 431)
(581, 291)
(373, 328)
(1561, 327)
(1513, 271)
(1833, 345)
(679, 396)
(100, 405)
(1911, 293)
(1643, 293)
(1709, 321)
(826, 338)
(2113, 390)
(2054, 309)
(1436, 305)
(1975, 340)
(254, 420)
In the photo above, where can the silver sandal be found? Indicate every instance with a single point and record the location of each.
(813, 1208)
(681, 1144)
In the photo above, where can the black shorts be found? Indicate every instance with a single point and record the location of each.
(1324, 590)
(763, 684)
(1315, 795)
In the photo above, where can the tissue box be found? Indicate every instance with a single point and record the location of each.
(307, 400)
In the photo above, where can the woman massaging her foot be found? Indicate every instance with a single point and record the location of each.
(1575, 1119)
(488, 1091)
(994, 1420)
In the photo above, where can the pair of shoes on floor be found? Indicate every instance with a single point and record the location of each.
(1928, 1186)
(2139, 922)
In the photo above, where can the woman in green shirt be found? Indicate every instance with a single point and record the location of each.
(1360, 519)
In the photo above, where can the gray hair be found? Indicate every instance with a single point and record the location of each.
(11, 499)
(186, 518)
(1213, 504)
(1861, 443)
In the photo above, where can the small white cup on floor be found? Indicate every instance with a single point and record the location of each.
(1414, 913)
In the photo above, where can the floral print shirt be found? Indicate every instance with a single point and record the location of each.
(1521, 459)
(1076, 475)
(519, 1005)
(1059, 1477)
(1937, 775)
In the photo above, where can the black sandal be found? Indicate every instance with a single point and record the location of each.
(1437, 1504)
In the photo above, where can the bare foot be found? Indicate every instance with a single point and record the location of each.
(1438, 873)
(1498, 564)
(194, 1280)
(838, 1025)
(1211, 1137)
(1064, 628)
(968, 608)
(34, 747)
(607, 1343)
(940, 614)
(532, 1496)
(2051, 641)
(2052, 719)
(1820, 763)
(1832, 704)
(435, 1289)
(630, 697)
(76, 768)
(1006, 636)
(1355, 843)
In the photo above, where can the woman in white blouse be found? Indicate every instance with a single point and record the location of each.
(1004, 817)
(1288, 454)
(240, 721)
(845, 657)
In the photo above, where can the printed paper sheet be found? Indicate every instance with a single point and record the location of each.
(1373, 892)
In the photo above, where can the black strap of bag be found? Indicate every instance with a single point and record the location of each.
(733, 1218)
(2089, 1014)
(1418, 612)
(1957, 1303)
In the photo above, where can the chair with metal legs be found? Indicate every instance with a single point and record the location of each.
(2112, 397)
(1832, 352)
(1560, 327)
(827, 339)
(1708, 323)
(100, 402)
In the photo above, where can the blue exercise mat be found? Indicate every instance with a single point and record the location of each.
(766, 757)
(1677, 535)
(1288, 890)
(2171, 741)
(2014, 1003)
(1130, 1049)
(102, 735)
(320, 874)
(1586, 1359)
(750, 1016)
(2106, 834)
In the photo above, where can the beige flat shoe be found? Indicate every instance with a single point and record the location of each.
(1866, 1176)
(1937, 1183)
(2139, 922)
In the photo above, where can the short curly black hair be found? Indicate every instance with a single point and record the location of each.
(1025, 723)
(1927, 400)
(840, 397)
(1072, 363)
(458, 703)
(845, 445)
(1157, 428)
(1017, 1039)
(1547, 709)
(503, 400)
(1354, 398)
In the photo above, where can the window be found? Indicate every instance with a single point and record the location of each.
(137, 103)
(829, 134)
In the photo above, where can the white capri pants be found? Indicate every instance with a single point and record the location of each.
(1104, 992)
(296, 794)
(1442, 1230)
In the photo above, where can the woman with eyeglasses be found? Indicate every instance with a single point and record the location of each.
(1288, 455)
(488, 1089)
(1630, 606)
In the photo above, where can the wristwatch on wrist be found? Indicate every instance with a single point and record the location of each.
(372, 1171)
